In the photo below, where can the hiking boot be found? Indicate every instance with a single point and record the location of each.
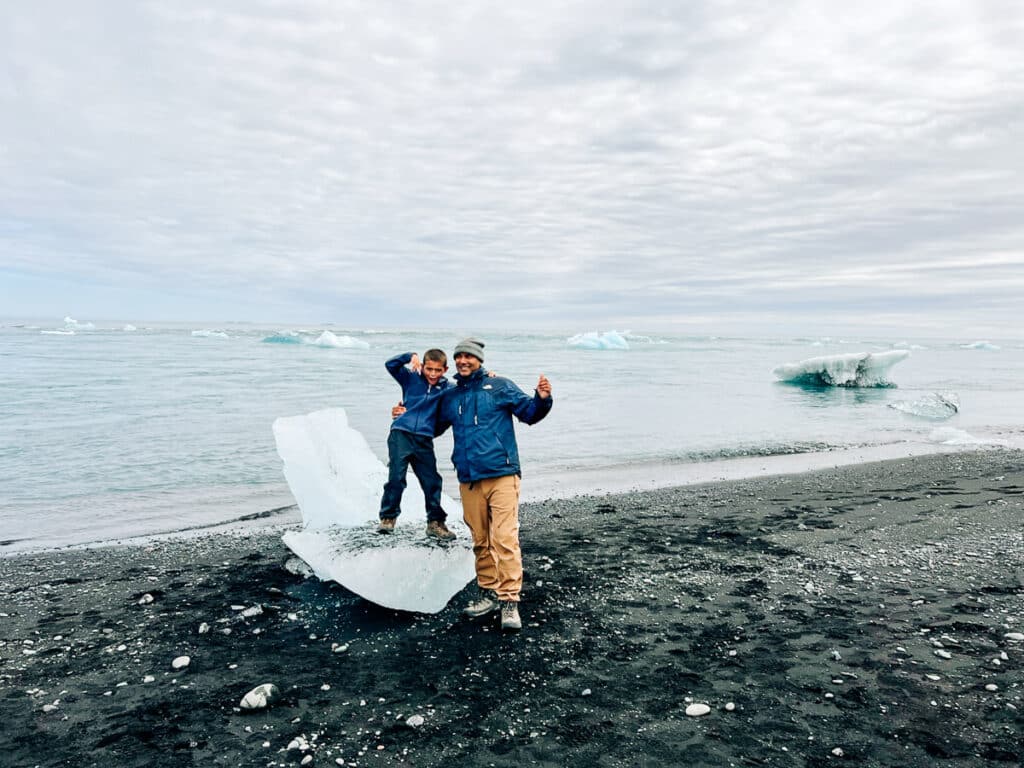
(486, 602)
(439, 530)
(387, 525)
(510, 621)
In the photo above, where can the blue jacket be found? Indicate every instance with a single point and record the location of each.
(479, 410)
(420, 398)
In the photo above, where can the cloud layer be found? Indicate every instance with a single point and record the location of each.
(542, 164)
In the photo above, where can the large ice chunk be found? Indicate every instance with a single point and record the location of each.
(337, 482)
(854, 369)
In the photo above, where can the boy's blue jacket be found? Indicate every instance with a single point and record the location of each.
(420, 398)
(479, 409)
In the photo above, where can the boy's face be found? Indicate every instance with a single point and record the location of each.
(433, 371)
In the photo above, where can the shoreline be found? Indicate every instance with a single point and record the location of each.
(876, 609)
(542, 485)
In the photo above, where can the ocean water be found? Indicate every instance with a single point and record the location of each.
(108, 433)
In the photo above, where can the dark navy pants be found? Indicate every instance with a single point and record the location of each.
(404, 450)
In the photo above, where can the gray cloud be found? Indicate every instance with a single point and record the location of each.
(557, 164)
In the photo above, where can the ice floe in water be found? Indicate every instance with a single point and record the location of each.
(129, 327)
(205, 333)
(70, 324)
(952, 436)
(854, 369)
(596, 340)
(328, 339)
(935, 406)
(337, 482)
(988, 345)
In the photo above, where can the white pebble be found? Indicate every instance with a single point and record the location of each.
(148, 679)
(730, 707)
(325, 687)
(146, 599)
(181, 662)
(697, 710)
(586, 692)
(255, 610)
(204, 628)
(1015, 636)
(838, 752)
(991, 687)
(307, 760)
(415, 721)
(259, 697)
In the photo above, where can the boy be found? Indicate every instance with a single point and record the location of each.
(411, 441)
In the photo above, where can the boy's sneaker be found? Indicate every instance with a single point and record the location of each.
(486, 602)
(510, 621)
(387, 525)
(439, 530)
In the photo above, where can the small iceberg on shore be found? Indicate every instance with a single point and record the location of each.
(952, 436)
(337, 481)
(935, 406)
(855, 369)
(596, 340)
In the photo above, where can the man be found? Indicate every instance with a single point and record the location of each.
(411, 441)
(479, 409)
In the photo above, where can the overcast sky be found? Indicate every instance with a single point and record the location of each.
(696, 166)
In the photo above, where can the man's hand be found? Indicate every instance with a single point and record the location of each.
(543, 387)
(398, 410)
(415, 363)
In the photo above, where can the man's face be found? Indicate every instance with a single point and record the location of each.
(433, 371)
(465, 363)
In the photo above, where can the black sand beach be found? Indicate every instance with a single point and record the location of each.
(868, 615)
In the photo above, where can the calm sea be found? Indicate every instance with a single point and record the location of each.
(111, 432)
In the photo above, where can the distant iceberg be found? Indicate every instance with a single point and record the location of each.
(855, 369)
(129, 327)
(208, 334)
(283, 338)
(328, 339)
(935, 406)
(595, 340)
(988, 345)
(73, 325)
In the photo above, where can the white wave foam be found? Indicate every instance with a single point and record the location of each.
(935, 406)
(208, 334)
(855, 369)
(597, 340)
(58, 333)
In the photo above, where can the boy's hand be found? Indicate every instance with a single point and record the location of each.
(543, 387)
(415, 363)
(397, 411)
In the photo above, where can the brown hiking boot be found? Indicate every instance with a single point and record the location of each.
(439, 530)
(486, 602)
(387, 525)
(510, 621)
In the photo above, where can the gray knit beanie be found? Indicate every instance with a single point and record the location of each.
(470, 346)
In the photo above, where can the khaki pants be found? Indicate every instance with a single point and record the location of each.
(491, 510)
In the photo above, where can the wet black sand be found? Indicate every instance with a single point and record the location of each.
(822, 606)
